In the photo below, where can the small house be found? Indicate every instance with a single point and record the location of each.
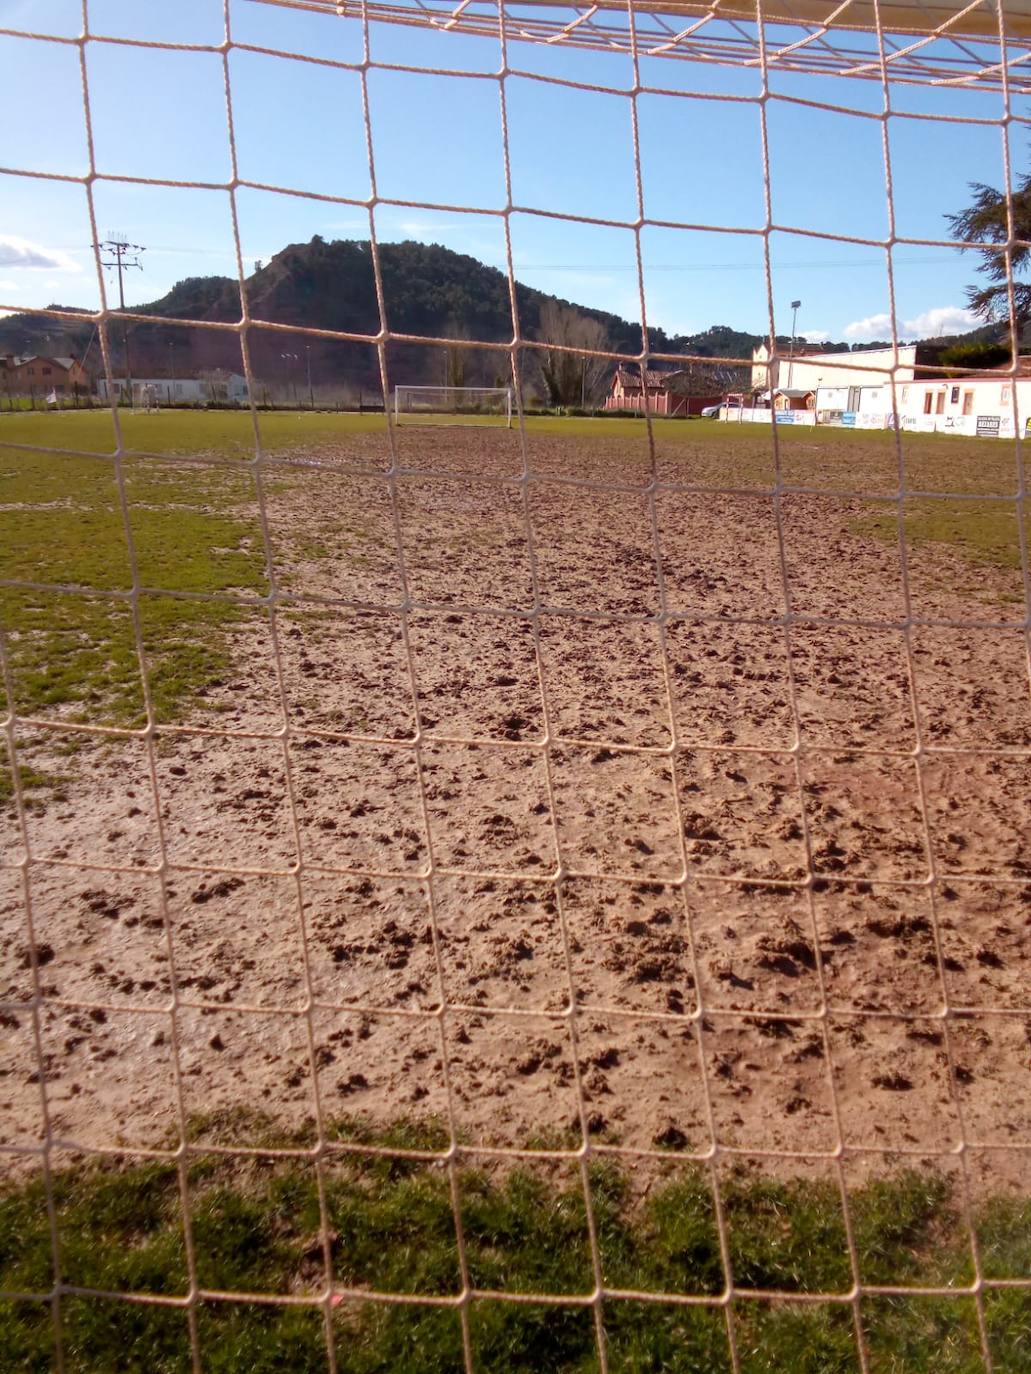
(37, 375)
(794, 398)
(650, 391)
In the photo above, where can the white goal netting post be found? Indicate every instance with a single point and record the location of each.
(935, 47)
(489, 405)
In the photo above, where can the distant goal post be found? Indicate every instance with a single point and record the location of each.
(465, 405)
(145, 397)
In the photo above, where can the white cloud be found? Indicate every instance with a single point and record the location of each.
(7, 285)
(19, 252)
(814, 335)
(873, 327)
(943, 319)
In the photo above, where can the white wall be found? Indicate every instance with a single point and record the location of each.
(762, 415)
(857, 407)
(991, 402)
(832, 398)
(868, 369)
(874, 400)
(810, 371)
(184, 390)
(991, 406)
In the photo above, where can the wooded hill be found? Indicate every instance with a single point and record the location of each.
(429, 291)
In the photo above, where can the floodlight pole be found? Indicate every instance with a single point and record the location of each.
(290, 359)
(791, 351)
(311, 394)
(122, 255)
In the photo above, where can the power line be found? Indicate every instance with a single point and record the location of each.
(717, 266)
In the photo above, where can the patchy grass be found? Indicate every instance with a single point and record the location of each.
(825, 457)
(256, 1229)
(986, 533)
(74, 652)
(32, 781)
(227, 433)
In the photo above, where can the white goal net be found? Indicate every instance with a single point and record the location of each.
(549, 894)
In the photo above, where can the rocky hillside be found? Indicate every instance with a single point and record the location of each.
(429, 290)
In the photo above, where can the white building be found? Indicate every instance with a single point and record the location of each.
(871, 367)
(988, 407)
(855, 390)
(216, 388)
(872, 401)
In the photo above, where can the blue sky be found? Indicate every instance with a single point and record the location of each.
(438, 140)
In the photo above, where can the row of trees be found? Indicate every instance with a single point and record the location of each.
(563, 379)
(565, 372)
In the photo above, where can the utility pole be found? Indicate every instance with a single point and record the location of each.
(122, 255)
(311, 394)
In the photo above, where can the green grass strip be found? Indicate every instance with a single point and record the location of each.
(256, 1229)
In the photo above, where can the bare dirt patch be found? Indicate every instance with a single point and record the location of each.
(616, 818)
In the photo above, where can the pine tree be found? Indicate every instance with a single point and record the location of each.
(986, 221)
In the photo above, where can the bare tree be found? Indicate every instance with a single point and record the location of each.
(456, 354)
(707, 379)
(571, 379)
(216, 383)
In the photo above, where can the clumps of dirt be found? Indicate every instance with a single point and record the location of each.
(799, 918)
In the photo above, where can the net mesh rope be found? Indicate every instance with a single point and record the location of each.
(954, 50)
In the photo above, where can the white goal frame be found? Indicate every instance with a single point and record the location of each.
(144, 398)
(451, 406)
